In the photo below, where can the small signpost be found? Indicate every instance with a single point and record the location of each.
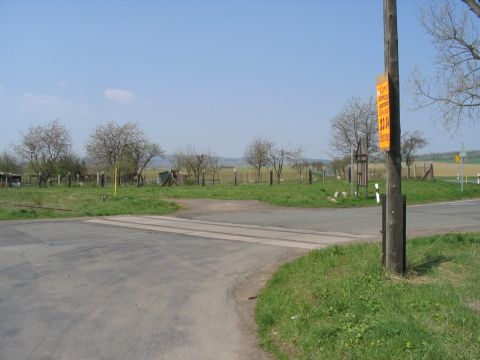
(463, 157)
(362, 166)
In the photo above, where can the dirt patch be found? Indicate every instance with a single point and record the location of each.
(198, 207)
(244, 293)
(475, 306)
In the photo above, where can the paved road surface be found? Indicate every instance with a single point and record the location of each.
(166, 288)
(421, 219)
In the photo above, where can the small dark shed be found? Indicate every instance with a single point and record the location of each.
(9, 179)
(172, 177)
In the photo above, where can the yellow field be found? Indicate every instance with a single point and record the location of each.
(440, 169)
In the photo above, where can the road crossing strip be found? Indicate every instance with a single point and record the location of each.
(266, 235)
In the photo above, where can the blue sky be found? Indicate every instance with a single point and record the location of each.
(213, 74)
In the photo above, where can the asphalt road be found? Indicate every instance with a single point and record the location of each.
(425, 219)
(147, 290)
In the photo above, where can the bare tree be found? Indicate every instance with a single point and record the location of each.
(213, 166)
(474, 6)
(10, 163)
(317, 165)
(109, 142)
(300, 164)
(280, 154)
(196, 162)
(411, 142)
(72, 163)
(357, 120)
(142, 154)
(177, 160)
(43, 146)
(455, 88)
(340, 166)
(257, 154)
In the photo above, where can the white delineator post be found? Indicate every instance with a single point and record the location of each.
(377, 193)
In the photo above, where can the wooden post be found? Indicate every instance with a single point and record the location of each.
(394, 229)
(115, 177)
(69, 179)
(235, 176)
(310, 176)
(203, 177)
(271, 177)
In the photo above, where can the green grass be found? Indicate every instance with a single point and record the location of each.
(87, 201)
(320, 193)
(25, 203)
(338, 303)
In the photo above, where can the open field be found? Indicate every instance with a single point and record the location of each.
(441, 169)
(338, 303)
(32, 202)
(246, 175)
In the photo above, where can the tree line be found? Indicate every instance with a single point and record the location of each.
(46, 150)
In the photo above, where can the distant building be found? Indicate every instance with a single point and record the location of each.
(173, 177)
(9, 179)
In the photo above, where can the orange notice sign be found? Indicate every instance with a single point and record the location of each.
(383, 112)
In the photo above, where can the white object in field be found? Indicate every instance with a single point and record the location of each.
(458, 176)
(377, 193)
(478, 178)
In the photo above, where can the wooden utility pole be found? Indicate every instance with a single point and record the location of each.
(394, 231)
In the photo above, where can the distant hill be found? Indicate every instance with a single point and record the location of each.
(164, 162)
(473, 157)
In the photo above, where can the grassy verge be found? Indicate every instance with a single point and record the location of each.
(338, 303)
(87, 201)
(320, 194)
(27, 203)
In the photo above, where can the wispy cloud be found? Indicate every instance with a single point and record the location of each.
(42, 99)
(119, 95)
